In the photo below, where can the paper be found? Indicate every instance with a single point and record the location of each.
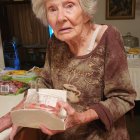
(36, 110)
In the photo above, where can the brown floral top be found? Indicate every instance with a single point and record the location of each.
(100, 80)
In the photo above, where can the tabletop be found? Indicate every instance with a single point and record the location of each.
(6, 104)
(134, 70)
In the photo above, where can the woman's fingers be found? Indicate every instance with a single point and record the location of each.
(70, 120)
(13, 132)
(67, 107)
(47, 131)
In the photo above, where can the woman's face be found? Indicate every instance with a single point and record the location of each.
(66, 18)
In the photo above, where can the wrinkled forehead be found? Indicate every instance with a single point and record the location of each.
(46, 1)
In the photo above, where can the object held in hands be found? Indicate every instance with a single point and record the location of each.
(40, 108)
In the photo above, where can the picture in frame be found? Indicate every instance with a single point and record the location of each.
(120, 9)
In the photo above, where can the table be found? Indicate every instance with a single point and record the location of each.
(134, 70)
(6, 104)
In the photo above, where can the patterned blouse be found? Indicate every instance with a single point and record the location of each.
(99, 80)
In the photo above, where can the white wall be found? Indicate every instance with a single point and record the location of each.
(131, 25)
(1, 55)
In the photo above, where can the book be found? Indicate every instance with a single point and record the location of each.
(40, 108)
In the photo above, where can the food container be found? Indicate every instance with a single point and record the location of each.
(130, 41)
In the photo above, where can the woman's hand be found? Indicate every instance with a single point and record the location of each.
(5, 122)
(73, 118)
(13, 132)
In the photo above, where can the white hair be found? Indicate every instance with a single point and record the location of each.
(38, 6)
(89, 7)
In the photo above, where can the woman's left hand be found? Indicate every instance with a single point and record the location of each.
(73, 118)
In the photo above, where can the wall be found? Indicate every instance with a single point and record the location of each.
(1, 54)
(131, 25)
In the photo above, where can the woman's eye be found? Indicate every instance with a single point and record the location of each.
(52, 9)
(70, 5)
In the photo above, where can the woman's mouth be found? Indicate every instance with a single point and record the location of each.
(65, 30)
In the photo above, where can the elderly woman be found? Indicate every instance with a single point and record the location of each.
(86, 56)
(89, 59)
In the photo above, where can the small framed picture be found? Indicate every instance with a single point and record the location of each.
(120, 9)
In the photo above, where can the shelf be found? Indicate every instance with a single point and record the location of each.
(32, 56)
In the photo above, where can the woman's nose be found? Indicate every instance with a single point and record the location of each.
(61, 16)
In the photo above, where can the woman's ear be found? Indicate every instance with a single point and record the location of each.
(86, 18)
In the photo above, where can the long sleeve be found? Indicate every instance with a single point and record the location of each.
(118, 92)
(45, 76)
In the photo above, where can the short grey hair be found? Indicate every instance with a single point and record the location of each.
(38, 6)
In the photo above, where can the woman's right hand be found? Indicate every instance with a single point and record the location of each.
(5, 122)
(13, 132)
